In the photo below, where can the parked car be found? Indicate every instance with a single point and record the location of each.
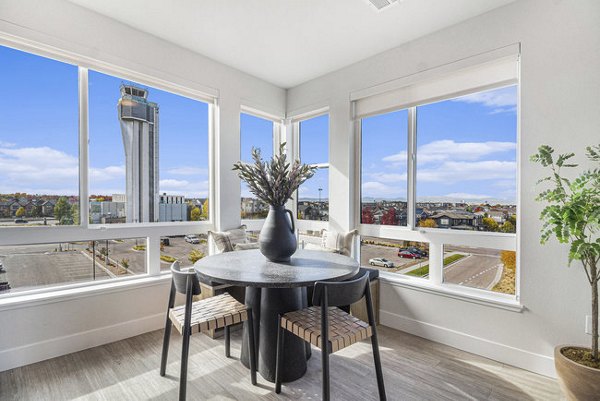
(165, 241)
(408, 255)
(381, 262)
(416, 250)
(192, 239)
(20, 221)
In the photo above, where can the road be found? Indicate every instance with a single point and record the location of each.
(475, 270)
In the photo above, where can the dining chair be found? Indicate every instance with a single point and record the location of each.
(207, 314)
(329, 328)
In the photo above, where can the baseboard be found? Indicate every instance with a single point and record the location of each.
(51, 348)
(520, 358)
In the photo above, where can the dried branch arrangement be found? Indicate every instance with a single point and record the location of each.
(276, 181)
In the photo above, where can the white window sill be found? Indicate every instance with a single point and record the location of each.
(481, 297)
(61, 294)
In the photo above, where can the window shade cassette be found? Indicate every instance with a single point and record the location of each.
(425, 89)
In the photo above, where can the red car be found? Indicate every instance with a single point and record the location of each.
(409, 255)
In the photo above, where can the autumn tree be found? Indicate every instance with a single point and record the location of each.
(428, 223)
(367, 216)
(490, 224)
(195, 255)
(75, 213)
(195, 214)
(389, 217)
(508, 227)
(20, 212)
(62, 211)
(204, 214)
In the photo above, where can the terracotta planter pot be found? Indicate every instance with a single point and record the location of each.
(578, 382)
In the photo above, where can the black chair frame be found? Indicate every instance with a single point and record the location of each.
(327, 294)
(186, 283)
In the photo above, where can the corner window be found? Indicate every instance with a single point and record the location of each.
(461, 175)
(384, 169)
(39, 143)
(313, 195)
(148, 154)
(255, 133)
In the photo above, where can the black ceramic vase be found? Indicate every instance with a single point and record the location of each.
(277, 238)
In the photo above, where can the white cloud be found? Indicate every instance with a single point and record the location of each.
(375, 189)
(451, 172)
(106, 173)
(467, 196)
(387, 177)
(187, 170)
(499, 98)
(184, 187)
(42, 167)
(448, 149)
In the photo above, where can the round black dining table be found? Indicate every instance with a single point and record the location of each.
(274, 288)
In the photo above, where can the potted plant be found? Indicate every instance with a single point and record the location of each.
(274, 183)
(572, 215)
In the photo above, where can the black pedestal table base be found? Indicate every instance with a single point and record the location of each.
(273, 302)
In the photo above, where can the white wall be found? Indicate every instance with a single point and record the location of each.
(41, 330)
(560, 103)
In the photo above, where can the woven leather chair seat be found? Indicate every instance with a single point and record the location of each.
(344, 329)
(211, 313)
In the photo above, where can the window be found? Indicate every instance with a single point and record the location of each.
(384, 169)
(466, 162)
(187, 249)
(136, 154)
(148, 154)
(313, 195)
(255, 132)
(27, 267)
(395, 256)
(483, 268)
(444, 166)
(39, 144)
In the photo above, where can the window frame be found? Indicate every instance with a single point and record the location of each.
(437, 237)
(151, 232)
(278, 139)
(302, 224)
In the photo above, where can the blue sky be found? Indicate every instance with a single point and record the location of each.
(466, 146)
(466, 150)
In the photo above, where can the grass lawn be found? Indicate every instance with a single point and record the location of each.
(423, 271)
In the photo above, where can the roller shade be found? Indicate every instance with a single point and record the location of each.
(431, 87)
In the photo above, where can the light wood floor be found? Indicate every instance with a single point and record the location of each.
(414, 369)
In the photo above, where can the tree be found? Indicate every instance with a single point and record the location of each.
(508, 227)
(125, 263)
(75, 213)
(20, 212)
(36, 211)
(195, 255)
(490, 224)
(367, 216)
(62, 211)
(429, 223)
(389, 217)
(204, 214)
(196, 214)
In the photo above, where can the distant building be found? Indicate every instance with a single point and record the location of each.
(458, 220)
(172, 208)
(139, 128)
(107, 212)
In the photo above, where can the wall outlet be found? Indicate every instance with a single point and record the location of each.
(588, 324)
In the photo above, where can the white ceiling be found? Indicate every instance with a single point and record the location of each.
(288, 42)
